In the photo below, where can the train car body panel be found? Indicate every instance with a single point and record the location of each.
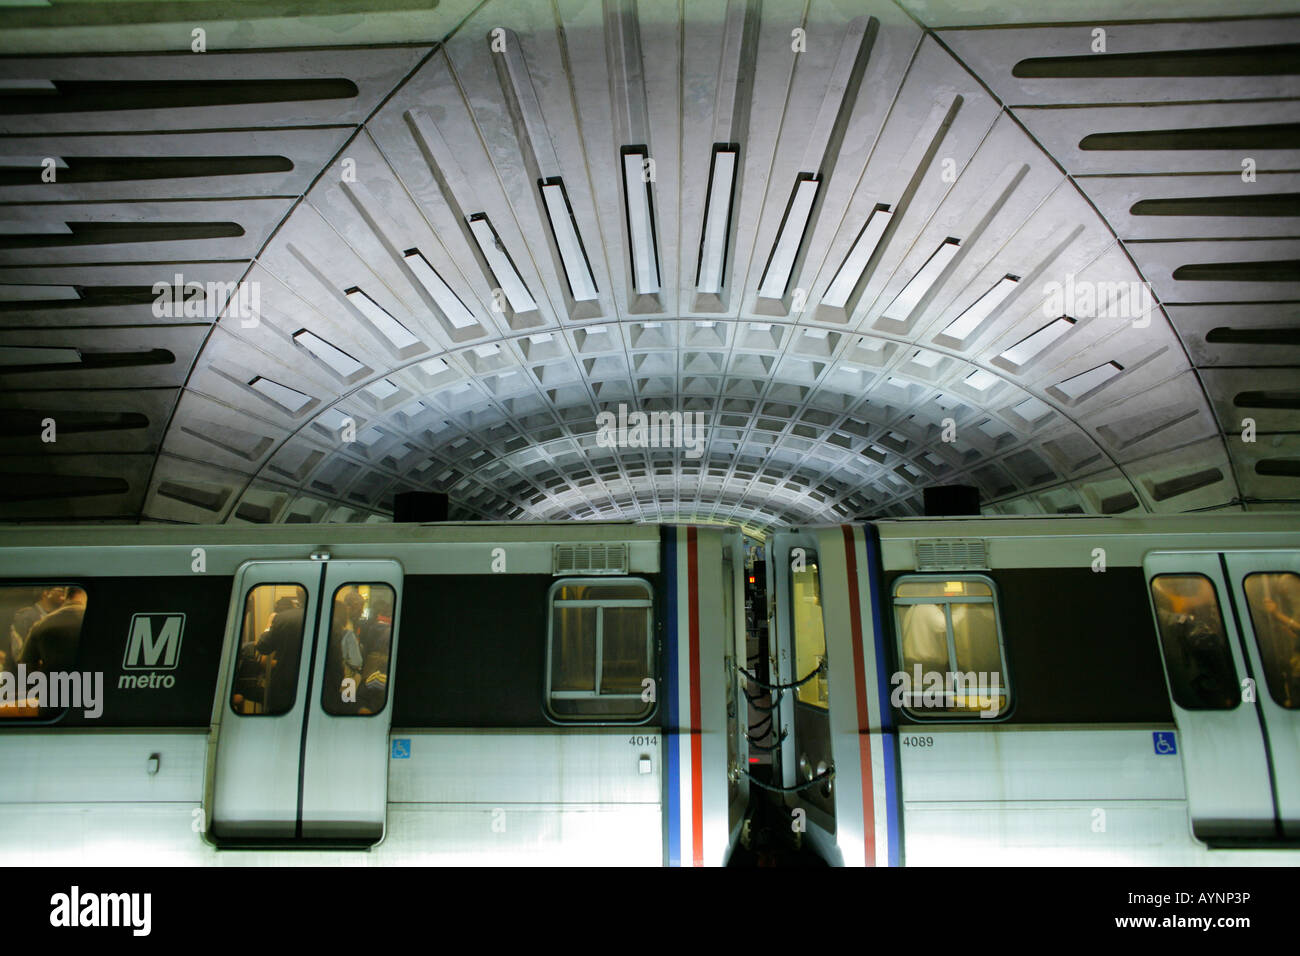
(1094, 762)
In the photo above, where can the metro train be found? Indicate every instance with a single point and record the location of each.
(970, 691)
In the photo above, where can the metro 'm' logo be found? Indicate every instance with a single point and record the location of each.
(154, 642)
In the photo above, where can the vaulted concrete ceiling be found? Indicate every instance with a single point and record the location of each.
(869, 257)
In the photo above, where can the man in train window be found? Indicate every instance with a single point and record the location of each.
(283, 639)
(50, 600)
(925, 639)
(1196, 650)
(51, 645)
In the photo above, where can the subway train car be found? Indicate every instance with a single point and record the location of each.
(448, 693)
(1063, 690)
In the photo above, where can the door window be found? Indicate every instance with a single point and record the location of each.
(360, 638)
(270, 648)
(1197, 657)
(1274, 602)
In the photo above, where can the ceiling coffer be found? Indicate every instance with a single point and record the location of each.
(589, 559)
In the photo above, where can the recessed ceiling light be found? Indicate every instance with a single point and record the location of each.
(1032, 409)
(1031, 346)
(287, 398)
(981, 308)
(447, 301)
(340, 362)
(640, 224)
(382, 389)
(776, 277)
(577, 270)
(395, 332)
(1079, 385)
(503, 269)
(717, 220)
(842, 286)
(919, 285)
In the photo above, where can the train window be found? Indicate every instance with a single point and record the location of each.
(598, 654)
(954, 663)
(266, 668)
(1197, 658)
(1274, 602)
(42, 630)
(360, 639)
(809, 633)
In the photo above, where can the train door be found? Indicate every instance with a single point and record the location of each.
(799, 645)
(1266, 595)
(1223, 736)
(302, 733)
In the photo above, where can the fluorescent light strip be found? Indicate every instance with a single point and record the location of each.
(1085, 382)
(713, 245)
(282, 395)
(920, 284)
(340, 363)
(842, 286)
(582, 285)
(397, 334)
(781, 264)
(981, 309)
(640, 225)
(503, 270)
(447, 301)
(1031, 346)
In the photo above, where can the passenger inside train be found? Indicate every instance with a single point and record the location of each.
(43, 634)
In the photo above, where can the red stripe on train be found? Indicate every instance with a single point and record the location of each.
(860, 687)
(697, 754)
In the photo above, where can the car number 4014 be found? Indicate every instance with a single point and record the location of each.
(643, 741)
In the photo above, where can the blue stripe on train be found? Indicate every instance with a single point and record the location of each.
(670, 705)
(889, 735)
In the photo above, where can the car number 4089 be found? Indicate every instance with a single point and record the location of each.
(918, 741)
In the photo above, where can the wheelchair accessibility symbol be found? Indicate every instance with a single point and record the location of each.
(401, 748)
(1163, 741)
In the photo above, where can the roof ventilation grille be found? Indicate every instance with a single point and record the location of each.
(951, 554)
(590, 559)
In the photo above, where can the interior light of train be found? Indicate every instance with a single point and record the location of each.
(919, 285)
(864, 247)
(717, 216)
(777, 275)
(582, 285)
(640, 224)
(981, 308)
(447, 301)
